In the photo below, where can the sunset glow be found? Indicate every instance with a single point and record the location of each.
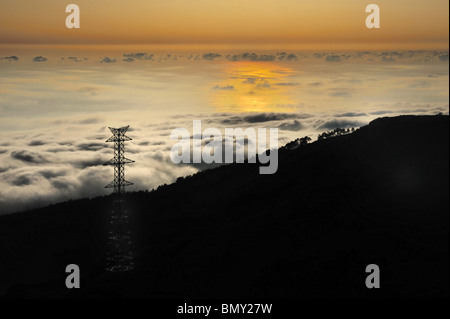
(254, 87)
(407, 24)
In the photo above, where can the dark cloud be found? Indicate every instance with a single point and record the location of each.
(251, 57)
(263, 85)
(415, 55)
(405, 54)
(249, 80)
(340, 94)
(388, 59)
(94, 146)
(147, 143)
(232, 120)
(333, 58)
(22, 180)
(39, 59)
(283, 56)
(384, 56)
(10, 58)
(72, 59)
(350, 114)
(4, 169)
(226, 87)
(390, 53)
(29, 157)
(137, 56)
(381, 112)
(87, 121)
(392, 56)
(346, 56)
(211, 56)
(60, 149)
(267, 117)
(160, 157)
(49, 174)
(66, 143)
(60, 184)
(260, 118)
(291, 57)
(36, 143)
(332, 124)
(291, 126)
(361, 54)
(108, 60)
(168, 57)
(88, 163)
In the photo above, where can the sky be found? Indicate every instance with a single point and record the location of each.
(303, 67)
(408, 24)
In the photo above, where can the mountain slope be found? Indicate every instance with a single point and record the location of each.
(377, 196)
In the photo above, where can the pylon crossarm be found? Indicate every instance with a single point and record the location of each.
(115, 161)
(121, 183)
(122, 129)
(122, 138)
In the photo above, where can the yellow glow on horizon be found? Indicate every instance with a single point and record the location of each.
(253, 87)
(420, 23)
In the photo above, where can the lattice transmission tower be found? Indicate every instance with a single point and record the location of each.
(119, 256)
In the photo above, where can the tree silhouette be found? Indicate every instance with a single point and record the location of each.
(297, 143)
(305, 140)
(336, 132)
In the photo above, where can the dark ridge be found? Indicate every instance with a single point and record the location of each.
(376, 196)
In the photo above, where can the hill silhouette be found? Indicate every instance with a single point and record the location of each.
(376, 196)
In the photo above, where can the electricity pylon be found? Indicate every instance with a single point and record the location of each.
(119, 255)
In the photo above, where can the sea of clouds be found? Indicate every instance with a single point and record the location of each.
(55, 111)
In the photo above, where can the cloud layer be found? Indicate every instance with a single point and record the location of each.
(55, 108)
(323, 56)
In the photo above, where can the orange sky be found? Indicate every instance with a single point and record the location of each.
(404, 23)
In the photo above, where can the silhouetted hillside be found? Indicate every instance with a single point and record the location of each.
(376, 196)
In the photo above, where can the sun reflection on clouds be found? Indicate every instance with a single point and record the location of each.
(254, 87)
